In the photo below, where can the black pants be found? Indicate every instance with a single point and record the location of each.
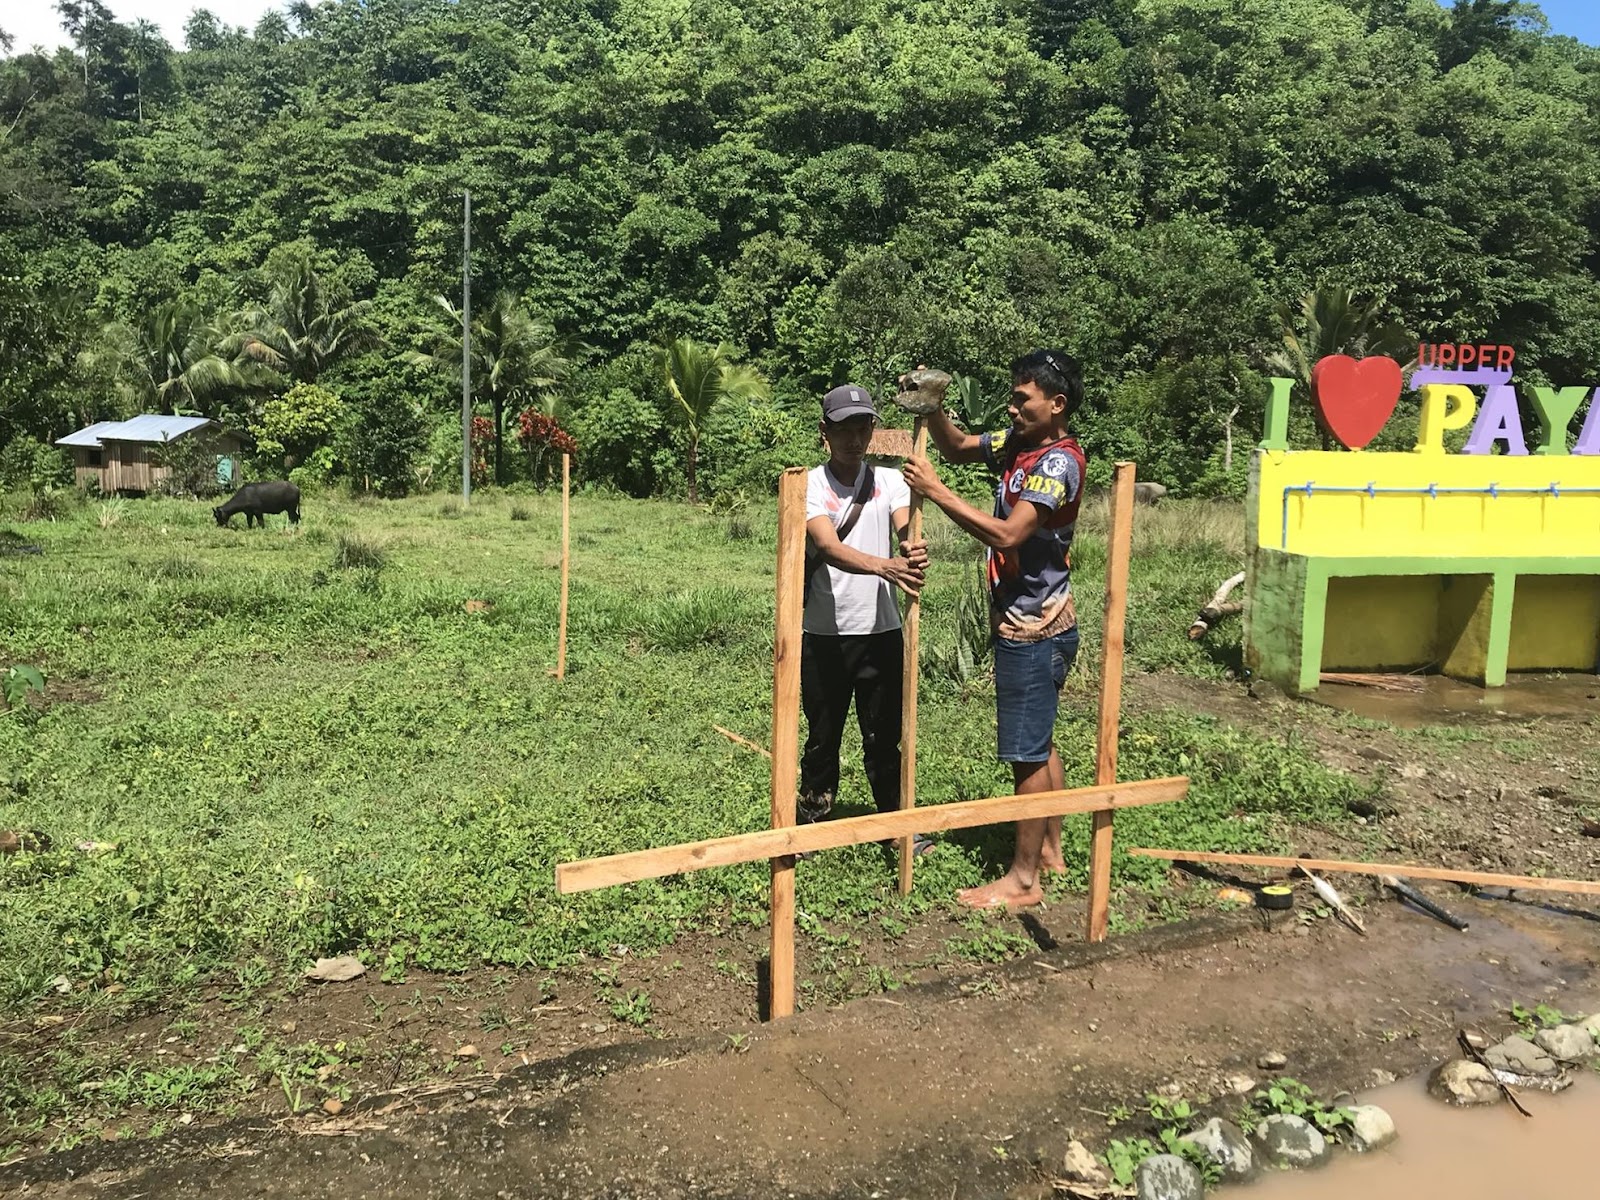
(832, 670)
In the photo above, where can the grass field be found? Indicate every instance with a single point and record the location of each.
(304, 744)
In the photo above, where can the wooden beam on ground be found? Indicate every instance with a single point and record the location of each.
(593, 873)
(790, 613)
(1119, 550)
(908, 680)
(566, 559)
(1530, 883)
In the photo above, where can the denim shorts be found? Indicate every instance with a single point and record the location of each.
(1027, 688)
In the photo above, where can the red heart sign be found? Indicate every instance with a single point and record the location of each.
(1355, 398)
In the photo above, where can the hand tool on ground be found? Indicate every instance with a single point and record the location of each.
(1405, 891)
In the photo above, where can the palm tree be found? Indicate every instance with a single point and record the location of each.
(1332, 321)
(699, 377)
(170, 361)
(517, 357)
(306, 325)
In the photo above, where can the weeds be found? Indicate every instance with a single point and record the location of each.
(1541, 1016)
(109, 512)
(521, 512)
(1291, 1097)
(351, 551)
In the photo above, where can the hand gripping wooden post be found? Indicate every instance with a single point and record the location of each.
(1119, 549)
(566, 558)
(786, 728)
(908, 678)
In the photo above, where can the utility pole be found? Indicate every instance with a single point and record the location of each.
(466, 348)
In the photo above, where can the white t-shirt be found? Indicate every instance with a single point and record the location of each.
(842, 602)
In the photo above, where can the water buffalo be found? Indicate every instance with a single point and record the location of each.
(255, 500)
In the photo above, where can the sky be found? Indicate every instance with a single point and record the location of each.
(34, 22)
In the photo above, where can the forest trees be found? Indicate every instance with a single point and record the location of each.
(828, 191)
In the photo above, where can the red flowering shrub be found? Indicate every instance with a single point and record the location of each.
(542, 438)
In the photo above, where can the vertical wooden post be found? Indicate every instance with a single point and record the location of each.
(786, 727)
(908, 678)
(1119, 549)
(566, 559)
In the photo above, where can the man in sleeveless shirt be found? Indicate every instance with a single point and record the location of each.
(1033, 621)
(851, 648)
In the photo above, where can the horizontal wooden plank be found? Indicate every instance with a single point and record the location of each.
(1530, 883)
(589, 874)
(890, 443)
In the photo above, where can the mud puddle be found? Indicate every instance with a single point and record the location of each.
(1440, 698)
(1466, 1154)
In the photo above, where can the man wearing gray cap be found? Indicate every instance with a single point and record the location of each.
(852, 646)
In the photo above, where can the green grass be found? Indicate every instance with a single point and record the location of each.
(295, 760)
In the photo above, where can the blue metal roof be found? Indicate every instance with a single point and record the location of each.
(150, 427)
(89, 437)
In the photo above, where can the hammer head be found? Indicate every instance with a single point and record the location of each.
(922, 391)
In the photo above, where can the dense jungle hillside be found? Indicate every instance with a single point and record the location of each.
(833, 188)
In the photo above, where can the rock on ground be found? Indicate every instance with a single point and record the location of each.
(1225, 1144)
(1522, 1056)
(1273, 1060)
(1565, 1043)
(1080, 1166)
(1370, 1128)
(1463, 1083)
(1168, 1177)
(1286, 1141)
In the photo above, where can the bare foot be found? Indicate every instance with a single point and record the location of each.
(1006, 892)
(1053, 864)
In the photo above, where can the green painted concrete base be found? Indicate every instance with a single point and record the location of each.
(1306, 614)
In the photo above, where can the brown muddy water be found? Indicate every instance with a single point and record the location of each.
(1464, 1154)
(1442, 699)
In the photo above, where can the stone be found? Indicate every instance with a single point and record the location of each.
(1168, 1177)
(1225, 1144)
(1273, 1060)
(1286, 1141)
(1239, 1085)
(1081, 1166)
(1370, 1128)
(1522, 1056)
(1380, 1078)
(1463, 1083)
(1566, 1043)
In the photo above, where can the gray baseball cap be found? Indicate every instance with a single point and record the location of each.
(846, 401)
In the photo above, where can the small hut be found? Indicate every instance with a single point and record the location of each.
(124, 456)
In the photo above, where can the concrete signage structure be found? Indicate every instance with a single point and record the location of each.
(1472, 564)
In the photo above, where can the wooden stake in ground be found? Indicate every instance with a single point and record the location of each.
(566, 559)
(1119, 550)
(908, 677)
(1529, 883)
(786, 728)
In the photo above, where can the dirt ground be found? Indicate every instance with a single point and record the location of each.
(947, 1089)
(968, 1081)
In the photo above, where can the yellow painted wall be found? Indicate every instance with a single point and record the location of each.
(1381, 621)
(1422, 526)
(1555, 623)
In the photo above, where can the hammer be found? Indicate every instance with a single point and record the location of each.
(921, 392)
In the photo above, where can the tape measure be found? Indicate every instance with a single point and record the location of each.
(1275, 896)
